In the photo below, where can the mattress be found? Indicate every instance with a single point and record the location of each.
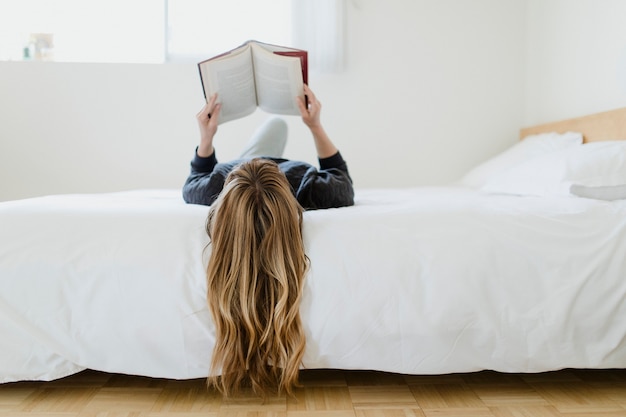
(425, 280)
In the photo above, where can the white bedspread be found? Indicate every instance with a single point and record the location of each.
(420, 281)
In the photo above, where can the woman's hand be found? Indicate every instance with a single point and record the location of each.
(207, 119)
(311, 117)
(311, 114)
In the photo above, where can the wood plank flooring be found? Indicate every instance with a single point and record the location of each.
(332, 393)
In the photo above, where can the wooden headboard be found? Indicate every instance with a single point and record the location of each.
(608, 125)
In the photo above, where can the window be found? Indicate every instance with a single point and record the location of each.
(85, 31)
(150, 31)
(198, 29)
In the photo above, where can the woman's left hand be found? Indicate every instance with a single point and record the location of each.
(207, 119)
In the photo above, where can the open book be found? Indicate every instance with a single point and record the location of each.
(253, 75)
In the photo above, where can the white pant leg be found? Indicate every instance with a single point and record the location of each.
(268, 140)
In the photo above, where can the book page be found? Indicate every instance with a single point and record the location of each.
(287, 51)
(232, 77)
(278, 81)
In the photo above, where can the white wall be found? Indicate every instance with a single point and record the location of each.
(431, 88)
(576, 58)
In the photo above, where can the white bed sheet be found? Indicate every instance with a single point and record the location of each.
(429, 280)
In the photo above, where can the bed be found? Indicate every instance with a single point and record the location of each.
(518, 267)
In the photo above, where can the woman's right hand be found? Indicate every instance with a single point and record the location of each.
(311, 117)
(310, 111)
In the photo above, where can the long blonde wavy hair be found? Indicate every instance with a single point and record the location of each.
(255, 276)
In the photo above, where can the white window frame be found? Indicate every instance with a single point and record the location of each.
(316, 25)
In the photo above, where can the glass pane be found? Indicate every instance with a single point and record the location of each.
(199, 29)
(85, 31)
(134, 30)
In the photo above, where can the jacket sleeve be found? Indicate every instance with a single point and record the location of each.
(328, 187)
(205, 182)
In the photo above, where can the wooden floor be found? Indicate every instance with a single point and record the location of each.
(572, 393)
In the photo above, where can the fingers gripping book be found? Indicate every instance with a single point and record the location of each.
(255, 74)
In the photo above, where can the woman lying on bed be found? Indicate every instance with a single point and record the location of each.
(328, 187)
(257, 264)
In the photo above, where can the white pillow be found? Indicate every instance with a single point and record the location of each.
(597, 164)
(532, 146)
(609, 193)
